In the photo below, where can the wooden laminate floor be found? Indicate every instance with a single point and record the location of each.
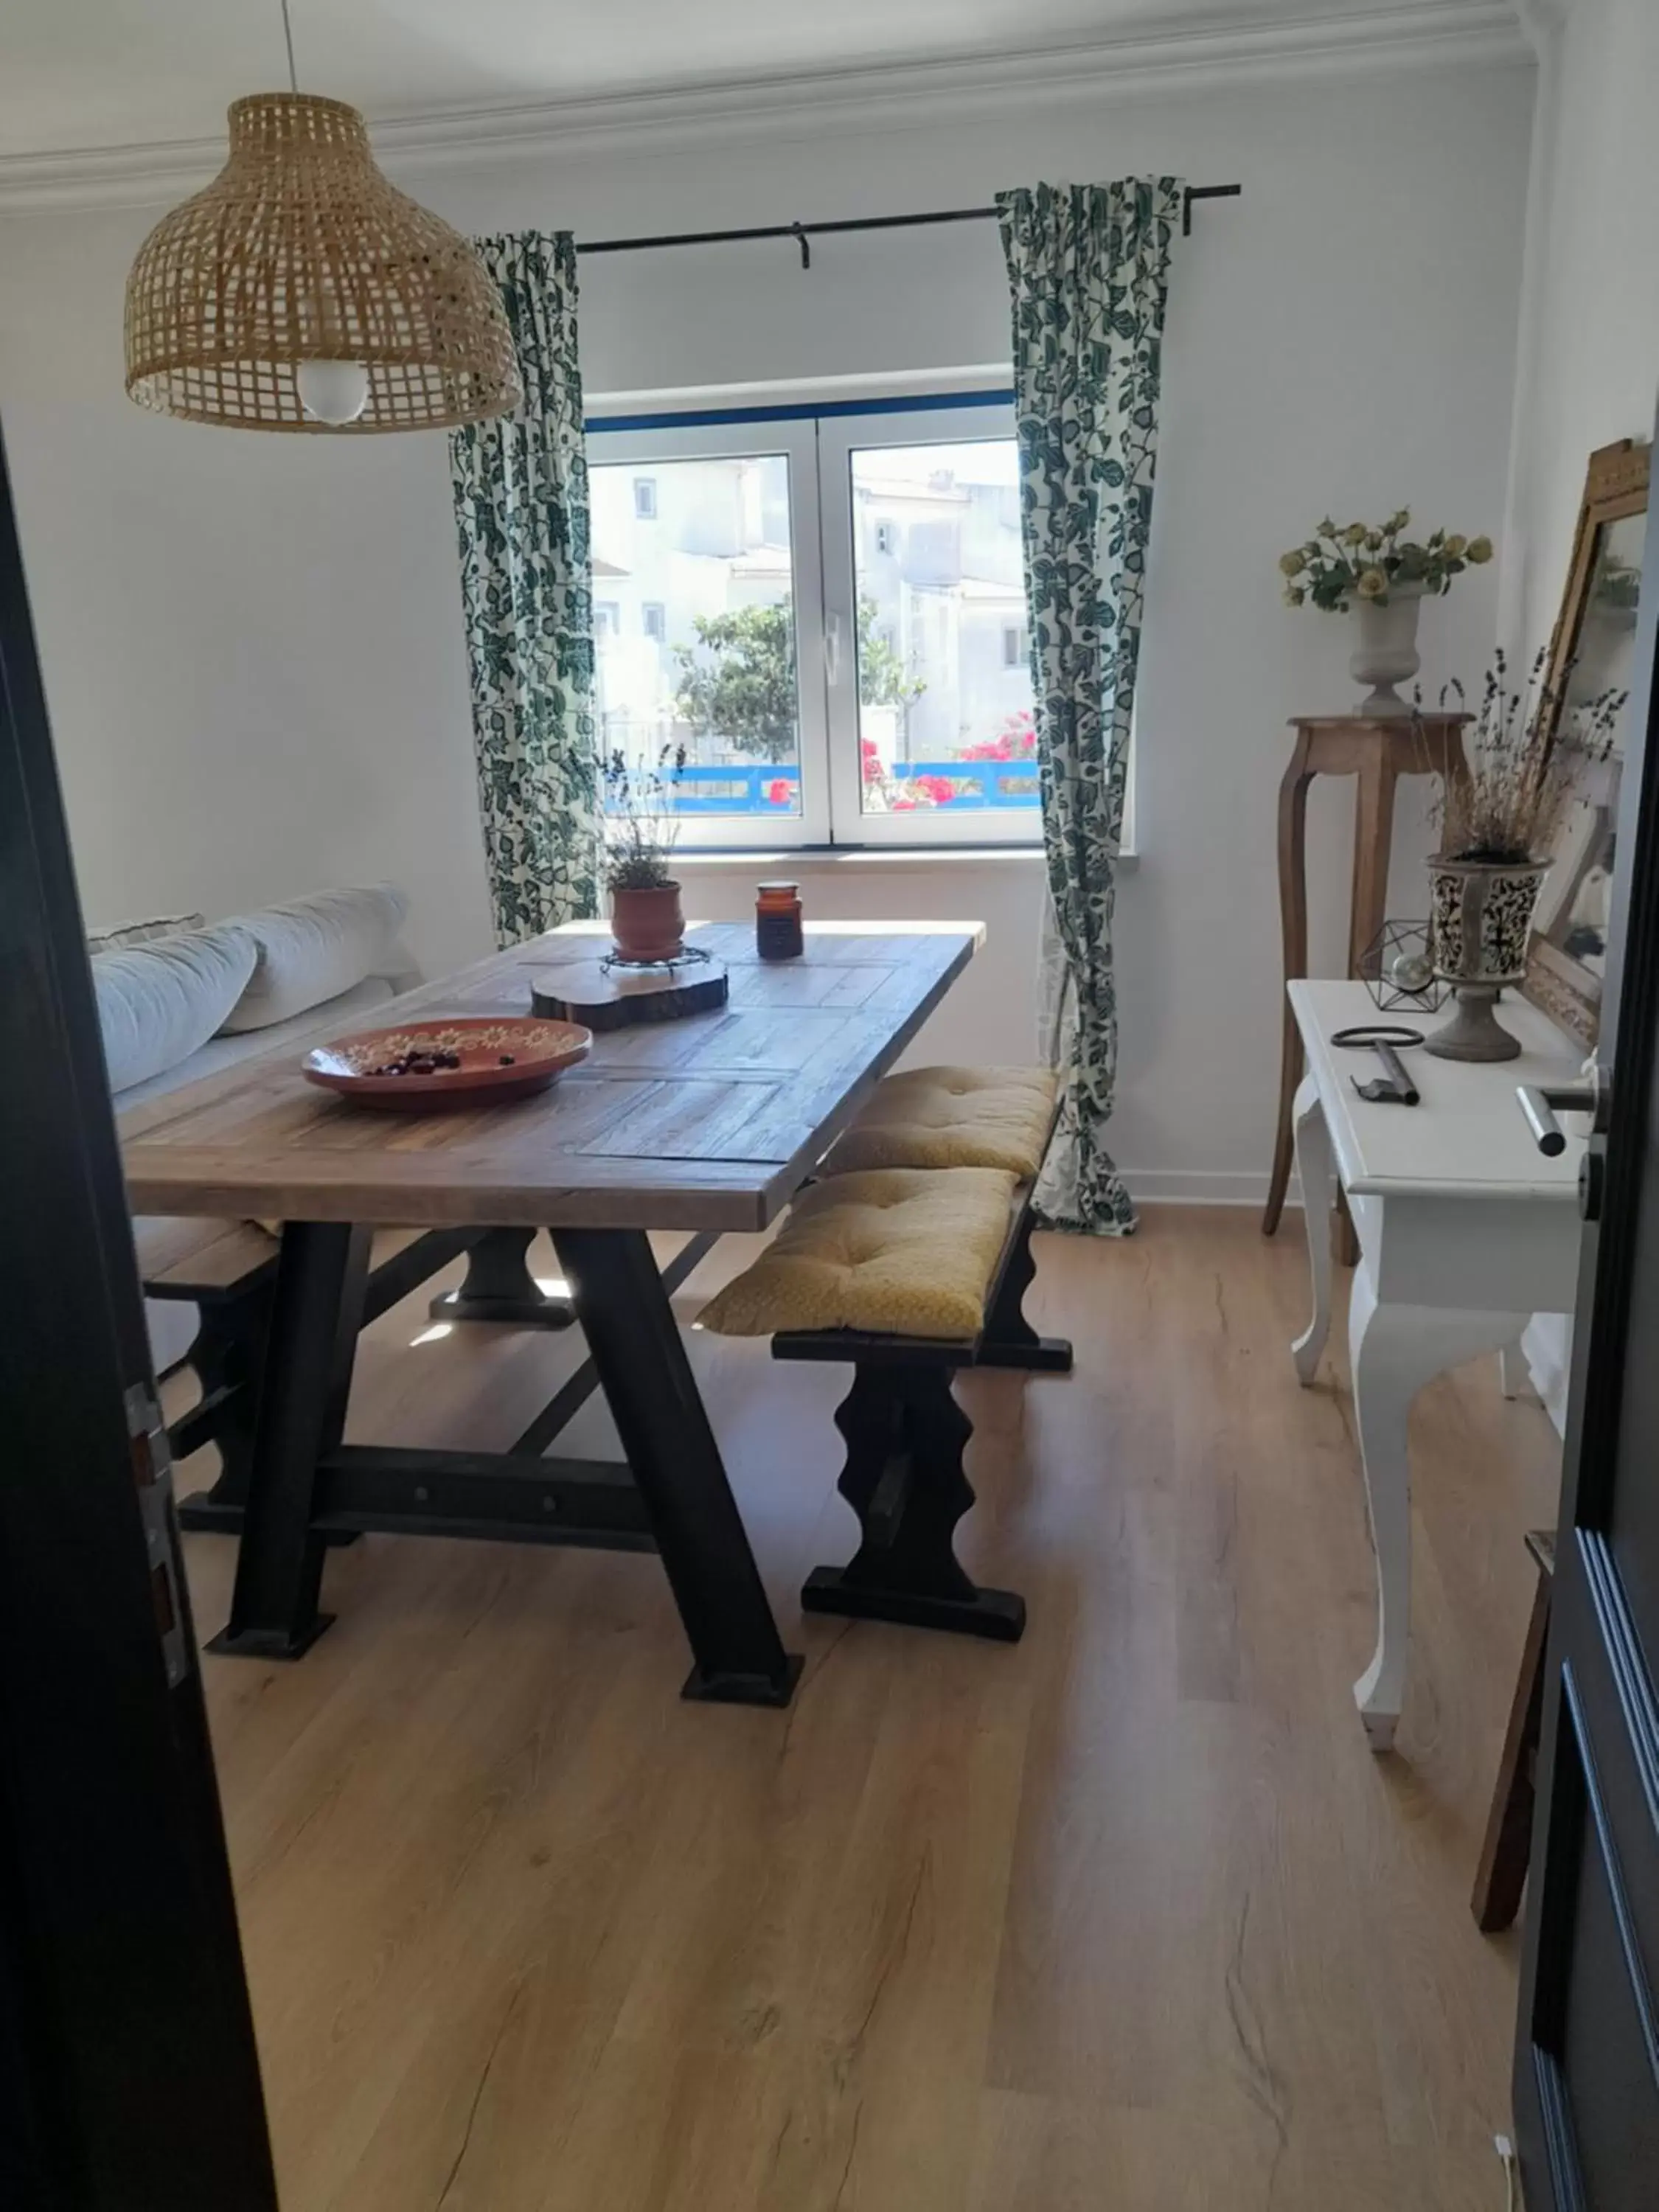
(1127, 1917)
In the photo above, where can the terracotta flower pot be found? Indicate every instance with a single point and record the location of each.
(648, 924)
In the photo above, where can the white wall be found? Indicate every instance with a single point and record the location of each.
(1589, 370)
(253, 645)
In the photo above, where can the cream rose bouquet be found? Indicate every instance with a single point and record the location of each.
(1367, 561)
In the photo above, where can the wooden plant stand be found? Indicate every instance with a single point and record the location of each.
(1378, 751)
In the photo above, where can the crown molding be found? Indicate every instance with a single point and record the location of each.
(1541, 20)
(1200, 58)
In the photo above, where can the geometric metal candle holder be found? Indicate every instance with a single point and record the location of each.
(1397, 969)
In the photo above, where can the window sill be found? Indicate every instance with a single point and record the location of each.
(803, 858)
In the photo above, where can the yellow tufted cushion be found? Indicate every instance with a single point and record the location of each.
(901, 1250)
(951, 1117)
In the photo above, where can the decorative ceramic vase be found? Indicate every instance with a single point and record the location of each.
(1480, 922)
(1387, 651)
(648, 924)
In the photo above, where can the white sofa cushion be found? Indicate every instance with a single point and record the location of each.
(313, 949)
(123, 933)
(316, 1025)
(174, 1322)
(158, 1003)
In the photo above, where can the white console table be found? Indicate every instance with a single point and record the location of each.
(1466, 1230)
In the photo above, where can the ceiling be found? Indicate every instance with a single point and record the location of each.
(84, 73)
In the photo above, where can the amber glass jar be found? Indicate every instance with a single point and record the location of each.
(778, 933)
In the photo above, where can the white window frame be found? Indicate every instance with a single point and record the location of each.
(657, 631)
(645, 499)
(841, 436)
(797, 443)
(818, 450)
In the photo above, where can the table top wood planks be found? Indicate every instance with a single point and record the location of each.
(709, 1123)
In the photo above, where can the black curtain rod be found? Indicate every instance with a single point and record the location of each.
(802, 232)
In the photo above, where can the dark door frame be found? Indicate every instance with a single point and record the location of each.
(1596, 1825)
(129, 2078)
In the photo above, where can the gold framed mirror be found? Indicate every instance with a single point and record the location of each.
(1590, 653)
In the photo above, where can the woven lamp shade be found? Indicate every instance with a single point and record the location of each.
(299, 251)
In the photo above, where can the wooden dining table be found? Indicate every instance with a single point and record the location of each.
(704, 1125)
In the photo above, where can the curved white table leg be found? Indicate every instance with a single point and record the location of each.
(1395, 1350)
(1313, 1169)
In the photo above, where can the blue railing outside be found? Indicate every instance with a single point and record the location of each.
(758, 788)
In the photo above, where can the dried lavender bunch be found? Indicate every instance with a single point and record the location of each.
(640, 826)
(1527, 755)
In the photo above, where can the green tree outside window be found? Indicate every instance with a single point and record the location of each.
(737, 682)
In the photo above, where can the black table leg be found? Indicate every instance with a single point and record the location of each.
(315, 1315)
(499, 1286)
(635, 1345)
(229, 1356)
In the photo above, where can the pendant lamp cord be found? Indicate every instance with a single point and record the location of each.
(287, 34)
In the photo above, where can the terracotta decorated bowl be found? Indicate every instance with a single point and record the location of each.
(422, 1066)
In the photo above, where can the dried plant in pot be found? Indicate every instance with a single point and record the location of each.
(1498, 821)
(640, 831)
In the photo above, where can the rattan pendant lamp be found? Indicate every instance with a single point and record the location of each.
(299, 291)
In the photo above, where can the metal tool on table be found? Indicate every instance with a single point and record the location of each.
(1393, 1087)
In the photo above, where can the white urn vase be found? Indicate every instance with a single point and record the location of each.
(1387, 651)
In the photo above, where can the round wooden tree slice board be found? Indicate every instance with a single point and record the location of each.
(602, 998)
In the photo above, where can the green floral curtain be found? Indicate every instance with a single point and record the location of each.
(1088, 266)
(522, 510)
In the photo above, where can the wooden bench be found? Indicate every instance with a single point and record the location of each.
(228, 1270)
(906, 1436)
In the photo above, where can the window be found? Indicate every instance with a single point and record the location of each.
(607, 618)
(831, 624)
(645, 499)
(714, 670)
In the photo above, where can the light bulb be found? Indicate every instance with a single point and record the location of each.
(1411, 971)
(332, 391)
